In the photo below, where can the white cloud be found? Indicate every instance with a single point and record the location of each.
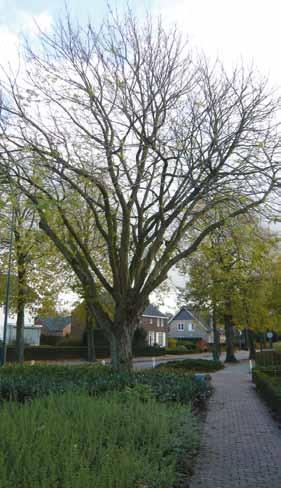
(33, 24)
(23, 23)
(9, 42)
(231, 29)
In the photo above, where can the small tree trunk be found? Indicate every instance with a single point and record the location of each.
(21, 299)
(229, 335)
(20, 333)
(91, 353)
(216, 347)
(252, 344)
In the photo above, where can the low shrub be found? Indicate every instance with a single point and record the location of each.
(269, 387)
(120, 440)
(192, 365)
(190, 345)
(172, 343)
(26, 382)
(177, 350)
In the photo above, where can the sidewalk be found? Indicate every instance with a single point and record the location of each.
(241, 445)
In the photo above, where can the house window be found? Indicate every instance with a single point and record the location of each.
(180, 327)
(151, 320)
(191, 327)
(160, 339)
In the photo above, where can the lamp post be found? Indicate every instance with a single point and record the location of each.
(7, 297)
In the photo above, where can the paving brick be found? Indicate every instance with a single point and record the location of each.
(241, 444)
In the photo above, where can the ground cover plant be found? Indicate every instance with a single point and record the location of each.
(192, 365)
(125, 439)
(26, 382)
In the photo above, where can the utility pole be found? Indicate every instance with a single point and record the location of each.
(8, 285)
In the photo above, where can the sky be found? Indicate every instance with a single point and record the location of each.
(230, 30)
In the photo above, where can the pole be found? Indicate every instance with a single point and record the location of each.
(7, 298)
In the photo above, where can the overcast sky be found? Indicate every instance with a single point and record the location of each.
(230, 29)
(227, 29)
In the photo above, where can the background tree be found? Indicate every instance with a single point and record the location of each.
(230, 276)
(148, 139)
(36, 265)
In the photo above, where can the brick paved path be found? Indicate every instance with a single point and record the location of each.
(241, 446)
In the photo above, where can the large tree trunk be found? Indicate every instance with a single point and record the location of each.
(91, 353)
(121, 349)
(20, 314)
(229, 335)
(252, 344)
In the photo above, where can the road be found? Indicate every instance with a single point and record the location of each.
(149, 362)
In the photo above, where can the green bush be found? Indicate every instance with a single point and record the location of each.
(190, 345)
(115, 441)
(172, 343)
(179, 350)
(21, 383)
(269, 387)
(192, 365)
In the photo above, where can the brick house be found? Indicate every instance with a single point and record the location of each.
(155, 323)
(54, 326)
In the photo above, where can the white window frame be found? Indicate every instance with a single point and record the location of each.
(151, 338)
(191, 327)
(180, 327)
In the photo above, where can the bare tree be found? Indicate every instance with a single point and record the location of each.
(149, 140)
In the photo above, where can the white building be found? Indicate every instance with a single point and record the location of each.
(32, 332)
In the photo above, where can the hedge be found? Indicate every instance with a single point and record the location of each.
(26, 382)
(269, 387)
(53, 353)
(268, 358)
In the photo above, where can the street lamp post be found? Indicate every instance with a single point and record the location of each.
(8, 285)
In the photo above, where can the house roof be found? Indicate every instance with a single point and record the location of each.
(152, 311)
(185, 314)
(54, 323)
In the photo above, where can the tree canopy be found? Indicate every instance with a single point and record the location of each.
(126, 122)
